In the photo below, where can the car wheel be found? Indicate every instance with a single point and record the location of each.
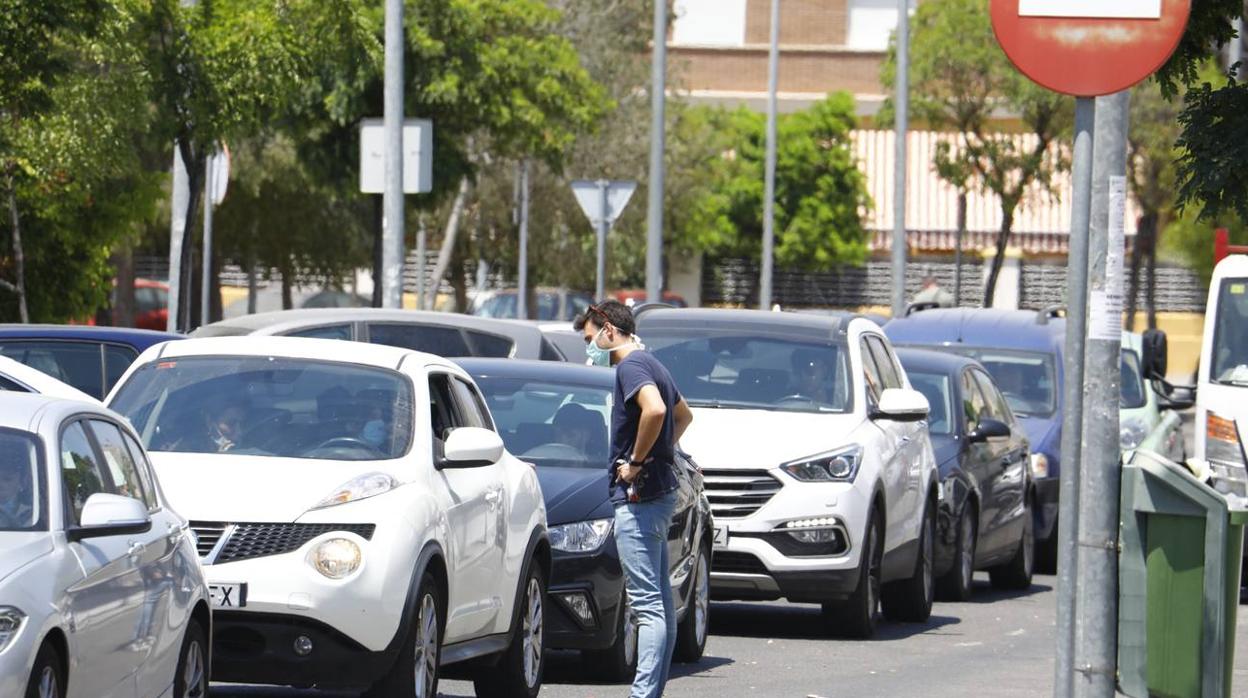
(956, 584)
(519, 671)
(1016, 574)
(415, 672)
(857, 616)
(910, 600)
(692, 632)
(1045, 551)
(47, 678)
(618, 663)
(191, 679)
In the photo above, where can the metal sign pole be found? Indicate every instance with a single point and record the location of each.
(658, 104)
(522, 285)
(421, 234)
(899, 166)
(1072, 400)
(177, 227)
(1096, 607)
(769, 176)
(392, 196)
(604, 223)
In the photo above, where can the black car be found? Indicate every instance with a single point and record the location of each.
(555, 416)
(986, 514)
(89, 358)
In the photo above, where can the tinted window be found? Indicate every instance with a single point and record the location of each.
(6, 384)
(145, 472)
(268, 406)
(885, 363)
(116, 361)
(1133, 394)
(550, 424)
(995, 402)
(75, 363)
(1230, 338)
(150, 299)
(549, 352)
(490, 345)
(726, 368)
(434, 339)
(1026, 379)
(121, 465)
(471, 408)
(21, 483)
(443, 415)
(935, 387)
(81, 473)
(973, 405)
(326, 332)
(871, 372)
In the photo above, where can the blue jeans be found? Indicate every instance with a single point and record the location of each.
(641, 537)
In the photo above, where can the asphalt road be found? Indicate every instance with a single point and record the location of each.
(998, 644)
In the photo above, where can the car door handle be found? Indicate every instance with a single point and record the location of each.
(136, 548)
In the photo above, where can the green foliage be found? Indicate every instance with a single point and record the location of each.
(820, 193)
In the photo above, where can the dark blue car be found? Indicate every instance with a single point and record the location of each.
(555, 415)
(90, 359)
(1022, 351)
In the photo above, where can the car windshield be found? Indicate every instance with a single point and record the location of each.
(1133, 394)
(1027, 379)
(935, 387)
(269, 406)
(21, 482)
(1230, 338)
(730, 369)
(548, 423)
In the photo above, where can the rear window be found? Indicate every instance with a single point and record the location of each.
(22, 482)
(79, 364)
(433, 339)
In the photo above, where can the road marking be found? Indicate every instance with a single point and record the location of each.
(1016, 633)
(968, 644)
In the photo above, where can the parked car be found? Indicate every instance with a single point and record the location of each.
(336, 299)
(151, 305)
(637, 296)
(359, 519)
(90, 359)
(1022, 351)
(101, 592)
(552, 304)
(556, 416)
(443, 334)
(985, 518)
(20, 378)
(1146, 419)
(816, 459)
(567, 342)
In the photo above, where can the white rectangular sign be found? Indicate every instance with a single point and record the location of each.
(1106, 305)
(417, 156)
(1092, 9)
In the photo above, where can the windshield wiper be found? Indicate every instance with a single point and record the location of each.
(1238, 382)
(726, 405)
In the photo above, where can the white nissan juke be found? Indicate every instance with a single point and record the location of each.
(816, 458)
(356, 513)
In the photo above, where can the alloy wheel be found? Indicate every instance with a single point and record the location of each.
(533, 634)
(47, 684)
(194, 678)
(426, 664)
(874, 572)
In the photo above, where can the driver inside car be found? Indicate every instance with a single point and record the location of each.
(813, 376)
(575, 426)
(15, 495)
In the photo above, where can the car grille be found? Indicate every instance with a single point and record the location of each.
(245, 541)
(737, 493)
(737, 563)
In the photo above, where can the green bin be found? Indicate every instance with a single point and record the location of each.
(1182, 544)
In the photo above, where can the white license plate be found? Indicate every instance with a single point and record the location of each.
(721, 536)
(228, 595)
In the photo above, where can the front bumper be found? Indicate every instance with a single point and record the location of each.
(597, 578)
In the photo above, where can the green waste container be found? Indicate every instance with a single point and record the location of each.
(1182, 544)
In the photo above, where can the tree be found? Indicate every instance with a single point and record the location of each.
(958, 77)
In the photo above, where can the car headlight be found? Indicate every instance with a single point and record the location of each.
(1039, 465)
(835, 466)
(336, 558)
(580, 537)
(1131, 434)
(11, 620)
(362, 487)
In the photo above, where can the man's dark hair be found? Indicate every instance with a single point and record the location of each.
(611, 312)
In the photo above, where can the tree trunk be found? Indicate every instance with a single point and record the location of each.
(1137, 256)
(957, 255)
(448, 243)
(19, 255)
(378, 254)
(288, 300)
(123, 293)
(216, 310)
(998, 259)
(252, 271)
(1150, 297)
(195, 185)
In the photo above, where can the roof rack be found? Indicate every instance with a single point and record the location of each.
(1050, 312)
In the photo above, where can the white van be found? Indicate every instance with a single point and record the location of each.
(1222, 381)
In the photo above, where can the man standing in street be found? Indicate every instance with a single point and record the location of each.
(648, 416)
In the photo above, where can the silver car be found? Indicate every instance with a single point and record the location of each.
(101, 592)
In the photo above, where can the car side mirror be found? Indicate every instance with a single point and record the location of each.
(988, 429)
(1155, 351)
(471, 447)
(1176, 397)
(902, 405)
(110, 515)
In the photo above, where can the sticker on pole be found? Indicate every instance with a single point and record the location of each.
(1105, 304)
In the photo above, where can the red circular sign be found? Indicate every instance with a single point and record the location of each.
(1097, 48)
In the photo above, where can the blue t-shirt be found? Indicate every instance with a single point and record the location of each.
(636, 371)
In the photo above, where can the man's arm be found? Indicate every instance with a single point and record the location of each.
(649, 425)
(682, 419)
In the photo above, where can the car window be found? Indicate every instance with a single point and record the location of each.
(549, 423)
(1026, 379)
(499, 305)
(149, 299)
(121, 466)
(7, 384)
(885, 362)
(325, 332)
(145, 472)
(116, 361)
(549, 352)
(974, 406)
(875, 382)
(269, 406)
(935, 387)
(1132, 394)
(75, 363)
(470, 406)
(998, 409)
(22, 482)
(547, 306)
(81, 473)
(490, 345)
(434, 339)
(443, 414)
(1229, 352)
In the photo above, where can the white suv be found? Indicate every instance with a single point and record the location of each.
(357, 515)
(816, 455)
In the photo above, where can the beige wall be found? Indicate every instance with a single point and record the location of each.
(802, 22)
(815, 70)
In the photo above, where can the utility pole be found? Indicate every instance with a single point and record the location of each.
(769, 178)
(603, 227)
(1072, 407)
(522, 290)
(899, 165)
(1096, 607)
(205, 304)
(392, 194)
(421, 235)
(658, 105)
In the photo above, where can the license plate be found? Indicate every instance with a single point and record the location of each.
(228, 595)
(721, 536)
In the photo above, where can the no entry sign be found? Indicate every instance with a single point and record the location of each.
(1088, 48)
